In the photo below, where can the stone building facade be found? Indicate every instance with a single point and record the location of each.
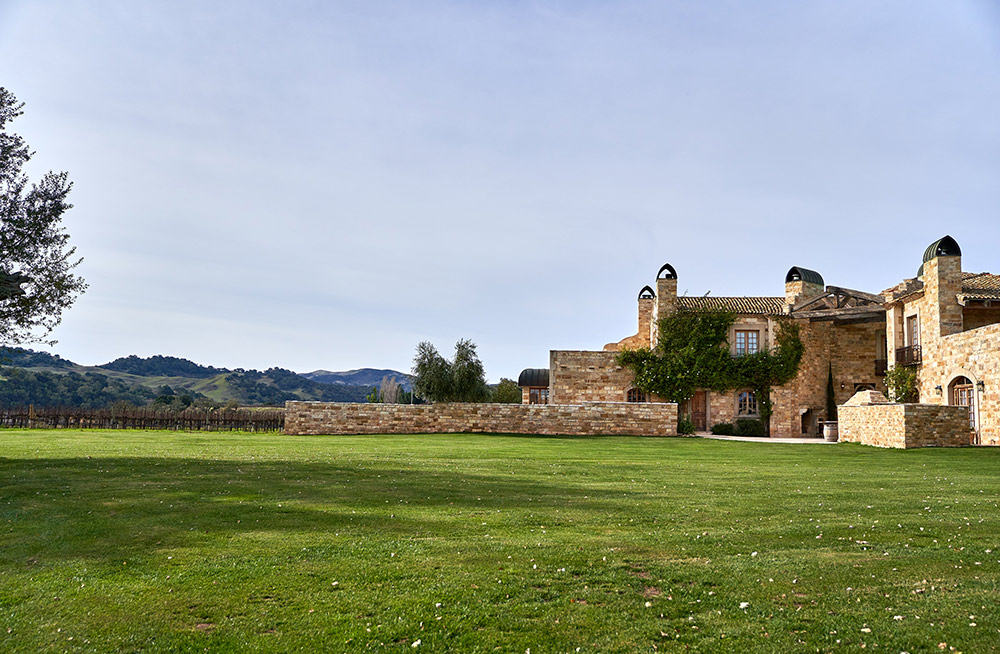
(945, 324)
(852, 335)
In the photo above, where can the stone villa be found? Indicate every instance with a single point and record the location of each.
(944, 322)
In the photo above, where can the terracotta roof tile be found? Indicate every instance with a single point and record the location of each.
(767, 306)
(978, 283)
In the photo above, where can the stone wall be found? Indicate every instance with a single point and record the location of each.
(851, 349)
(974, 354)
(596, 418)
(870, 419)
(586, 376)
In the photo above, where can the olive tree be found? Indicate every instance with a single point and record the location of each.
(461, 379)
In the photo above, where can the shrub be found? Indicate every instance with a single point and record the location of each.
(749, 427)
(901, 382)
(723, 429)
(685, 426)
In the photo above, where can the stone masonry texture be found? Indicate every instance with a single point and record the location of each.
(869, 418)
(595, 418)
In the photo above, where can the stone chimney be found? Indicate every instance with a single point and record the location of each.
(802, 284)
(942, 274)
(647, 305)
(666, 299)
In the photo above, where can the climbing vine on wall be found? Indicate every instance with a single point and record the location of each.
(693, 353)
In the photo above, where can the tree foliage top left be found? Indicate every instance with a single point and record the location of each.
(36, 259)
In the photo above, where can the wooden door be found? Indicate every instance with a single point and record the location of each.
(699, 412)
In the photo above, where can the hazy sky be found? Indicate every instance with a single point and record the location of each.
(324, 184)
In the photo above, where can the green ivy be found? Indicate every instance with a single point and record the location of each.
(693, 353)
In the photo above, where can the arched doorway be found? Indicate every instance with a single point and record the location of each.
(962, 392)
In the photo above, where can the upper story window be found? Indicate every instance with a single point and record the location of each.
(746, 404)
(635, 395)
(747, 341)
(913, 330)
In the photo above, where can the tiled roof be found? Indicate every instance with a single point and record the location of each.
(980, 285)
(903, 289)
(767, 306)
(975, 286)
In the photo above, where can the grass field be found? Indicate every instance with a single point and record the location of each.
(154, 541)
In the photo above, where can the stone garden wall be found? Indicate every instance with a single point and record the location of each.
(870, 419)
(589, 418)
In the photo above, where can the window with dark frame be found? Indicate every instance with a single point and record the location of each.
(746, 404)
(635, 395)
(747, 341)
(913, 330)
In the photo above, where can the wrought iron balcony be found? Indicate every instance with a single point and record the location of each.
(881, 365)
(908, 356)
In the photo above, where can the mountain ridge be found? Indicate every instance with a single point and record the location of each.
(359, 376)
(47, 379)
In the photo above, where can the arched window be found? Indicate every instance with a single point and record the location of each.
(746, 404)
(635, 395)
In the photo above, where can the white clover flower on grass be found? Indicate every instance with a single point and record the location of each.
(744, 605)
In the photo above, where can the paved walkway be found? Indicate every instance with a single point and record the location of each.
(753, 439)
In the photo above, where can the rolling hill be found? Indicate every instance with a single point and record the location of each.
(362, 376)
(30, 377)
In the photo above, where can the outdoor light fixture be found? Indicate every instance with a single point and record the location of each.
(938, 389)
(980, 386)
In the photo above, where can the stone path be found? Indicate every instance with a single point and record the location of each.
(752, 439)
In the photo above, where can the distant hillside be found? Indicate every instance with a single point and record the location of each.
(275, 386)
(22, 386)
(161, 366)
(362, 376)
(46, 379)
(19, 357)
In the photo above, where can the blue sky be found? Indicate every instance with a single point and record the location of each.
(324, 184)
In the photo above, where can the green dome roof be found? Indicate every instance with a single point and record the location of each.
(943, 247)
(798, 274)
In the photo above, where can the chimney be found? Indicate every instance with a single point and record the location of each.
(666, 299)
(647, 304)
(942, 274)
(802, 284)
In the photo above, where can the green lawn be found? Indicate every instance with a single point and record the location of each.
(158, 541)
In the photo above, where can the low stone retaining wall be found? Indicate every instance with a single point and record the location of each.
(592, 418)
(869, 418)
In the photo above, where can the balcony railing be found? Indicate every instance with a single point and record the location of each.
(881, 365)
(908, 356)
